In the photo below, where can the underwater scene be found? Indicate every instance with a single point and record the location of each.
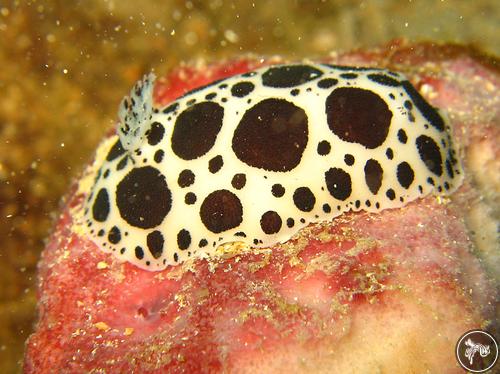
(249, 186)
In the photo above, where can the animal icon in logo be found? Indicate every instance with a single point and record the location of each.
(473, 348)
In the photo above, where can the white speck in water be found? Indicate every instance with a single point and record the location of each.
(231, 36)
(406, 24)
(172, 33)
(215, 4)
(65, 71)
(176, 15)
(191, 38)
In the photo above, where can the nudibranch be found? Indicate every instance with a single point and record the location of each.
(257, 156)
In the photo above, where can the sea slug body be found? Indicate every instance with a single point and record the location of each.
(256, 157)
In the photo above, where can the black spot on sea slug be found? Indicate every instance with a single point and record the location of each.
(290, 222)
(242, 89)
(338, 183)
(183, 239)
(215, 164)
(324, 148)
(270, 222)
(430, 154)
(114, 235)
(349, 75)
(425, 108)
(171, 108)
(100, 209)
(122, 163)
(405, 174)
(389, 153)
(289, 76)
(115, 151)
(143, 197)
(139, 252)
(384, 80)
(158, 157)
(239, 181)
(272, 135)
(373, 175)
(190, 198)
(156, 133)
(186, 178)
(449, 169)
(277, 190)
(203, 243)
(349, 68)
(349, 159)
(327, 82)
(196, 130)
(221, 210)
(327, 208)
(155, 243)
(358, 116)
(403, 138)
(390, 194)
(304, 199)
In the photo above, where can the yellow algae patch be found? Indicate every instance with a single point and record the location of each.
(103, 326)
(102, 265)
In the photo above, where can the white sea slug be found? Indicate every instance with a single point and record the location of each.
(255, 157)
